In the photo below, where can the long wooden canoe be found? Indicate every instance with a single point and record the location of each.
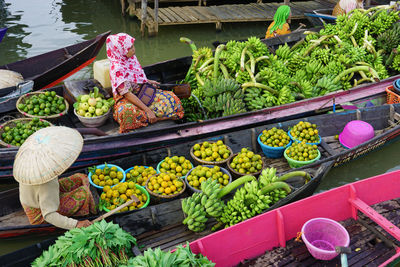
(13, 221)
(368, 209)
(48, 69)
(385, 120)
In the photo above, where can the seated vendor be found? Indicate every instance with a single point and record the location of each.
(345, 6)
(280, 25)
(44, 197)
(138, 102)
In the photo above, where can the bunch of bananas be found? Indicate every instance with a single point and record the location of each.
(212, 204)
(196, 213)
(268, 176)
(283, 52)
(247, 202)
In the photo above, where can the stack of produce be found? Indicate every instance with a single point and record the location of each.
(179, 166)
(106, 176)
(43, 104)
(140, 174)
(101, 244)
(17, 135)
(212, 152)
(305, 131)
(246, 162)
(302, 151)
(275, 137)
(165, 184)
(357, 49)
(200, 174)
(181, 257)
(112, 198)
(248, 201)
(93, 104)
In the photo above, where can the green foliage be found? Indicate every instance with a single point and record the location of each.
(85, 245)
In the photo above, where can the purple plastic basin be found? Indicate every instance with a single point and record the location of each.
(322, 235)
(355, 133)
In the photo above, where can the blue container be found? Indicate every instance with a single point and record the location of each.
(102, 167)
(396, 85)
(298, 141)
(272, 152)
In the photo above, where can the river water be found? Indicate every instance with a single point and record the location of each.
(39, 26)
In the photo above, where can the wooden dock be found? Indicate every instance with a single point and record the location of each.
(152, 18)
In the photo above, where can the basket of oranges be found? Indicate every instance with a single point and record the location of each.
(113, 197)
(106, 174)
(165, 186)
(201, 173)
(139, 174)
(305, 131)
(179, 166)
(246, 162)
(211, 153)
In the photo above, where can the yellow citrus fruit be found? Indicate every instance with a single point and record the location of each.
(102, 183)
(131, 185)
(120, 175)
(115, 194)
(114, 169)
(113, 174)
(98, 171)
(115, 181)
(106, 188)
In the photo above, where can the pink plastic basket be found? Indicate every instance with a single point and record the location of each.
(322, 235)
(355, 133)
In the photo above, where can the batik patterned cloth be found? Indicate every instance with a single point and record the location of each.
(75, 199)
(166, 104)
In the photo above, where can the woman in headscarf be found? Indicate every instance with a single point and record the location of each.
(41, 158)
(345, 6)
(280, 25)
(137, 99)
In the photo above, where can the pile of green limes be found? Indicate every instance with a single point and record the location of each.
(302, 151)
(305, 131)
(202, 173)
(17, 135)
(43, 104)
(215, 152)
(275, 137)
(179, 166)
(246, 162)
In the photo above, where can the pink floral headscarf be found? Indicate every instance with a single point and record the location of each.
(123, 69)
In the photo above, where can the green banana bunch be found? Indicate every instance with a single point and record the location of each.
(267, 176)
(325, 85)
(209, 200)
(296, 62)
(195, 212)
(283, 52)
(285, 95)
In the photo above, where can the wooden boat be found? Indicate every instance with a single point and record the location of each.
(319, 17)
(2, 33)
(385, 120)
(13, 221)
(371, 219)
(49, 69)
(98, 149)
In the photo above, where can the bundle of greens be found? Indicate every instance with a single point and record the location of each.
(181, 257)
(361, 47)
(101, 244)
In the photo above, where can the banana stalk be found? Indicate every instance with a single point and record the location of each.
(276, 185)
(216, 61)
(260, 85)
(242, 180)
(189, 42)
(294, 174)
(356, 69)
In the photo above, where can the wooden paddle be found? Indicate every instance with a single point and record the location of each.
(133, 199)
(180, 90)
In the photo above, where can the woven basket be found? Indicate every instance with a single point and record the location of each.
(203, 162)
(13, 123)
(236, 174)
(167, 197)
(93, 121)
(21, 100)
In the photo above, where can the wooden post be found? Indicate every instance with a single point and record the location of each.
(144, 16)
(122, 7)
(156, 16)
(286, 2)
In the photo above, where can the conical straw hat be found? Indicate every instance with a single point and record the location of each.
(46, 154)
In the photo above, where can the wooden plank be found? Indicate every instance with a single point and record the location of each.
(229, 14)
(165, 16)
(188, 14)
(269, 9)
(161, 17)
(200, 15)
(181, 14)
(237, 13)
(250, 12)
(204, 10)
(172, 15)
(150, 11)
(255, 10)
(218, 12)
(325, 4)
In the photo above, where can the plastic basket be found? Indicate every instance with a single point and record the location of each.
(272, 152)
(322, 235)
(296, 163)
(298, 141)
(144, 191)
(102, 167)
(391, 97)
(209, 166)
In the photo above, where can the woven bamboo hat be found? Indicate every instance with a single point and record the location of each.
(46, 154)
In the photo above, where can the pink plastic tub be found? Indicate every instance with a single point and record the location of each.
(355, 133)
(322, 235)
